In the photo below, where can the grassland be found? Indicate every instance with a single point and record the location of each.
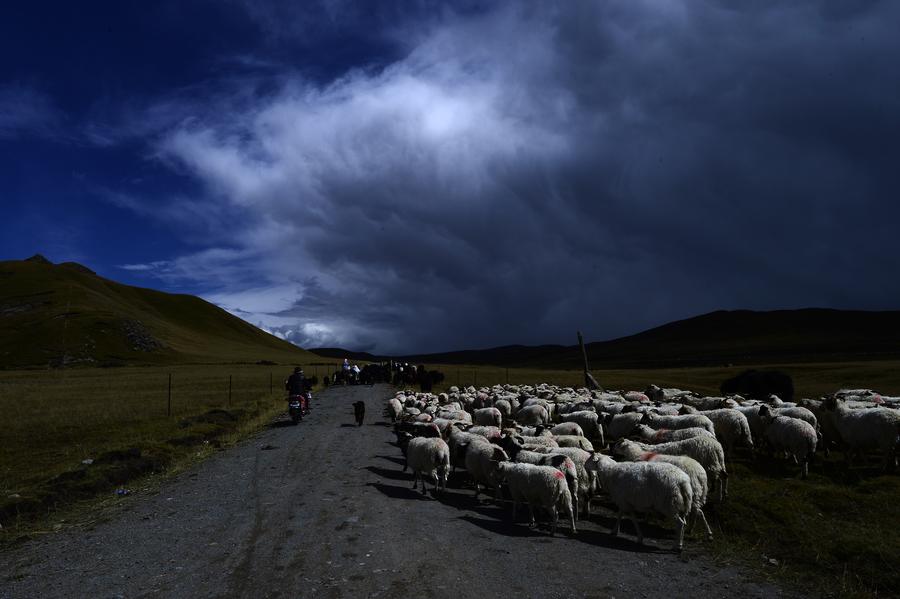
(118, 417)
(810, 379)
(63, 314)
(834, 534)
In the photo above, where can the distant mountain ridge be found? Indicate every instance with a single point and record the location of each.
(713, 339)
(65, 314)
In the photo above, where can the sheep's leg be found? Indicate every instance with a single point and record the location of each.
(572, 512)
(637, 526)
(615, 530)
(679, 527)
(575, 504)
(515, 505)
(804, 468)
(699, 512)
(416, 479)
(531, 511)
(554, 512)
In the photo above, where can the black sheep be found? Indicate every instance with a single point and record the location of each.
(359, 410)
(759, 384)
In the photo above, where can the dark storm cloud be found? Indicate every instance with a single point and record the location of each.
(529, 170)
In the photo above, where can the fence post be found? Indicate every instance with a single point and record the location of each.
(169, 400)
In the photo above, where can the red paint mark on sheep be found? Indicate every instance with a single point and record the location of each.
(646, 457)
(559, 475)
(660, 433)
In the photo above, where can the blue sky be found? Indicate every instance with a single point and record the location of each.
(424, 176)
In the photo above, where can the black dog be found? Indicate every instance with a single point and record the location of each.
(359, 410)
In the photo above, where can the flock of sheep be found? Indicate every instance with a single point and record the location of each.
(665, 449)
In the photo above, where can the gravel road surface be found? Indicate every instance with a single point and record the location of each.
(323, 510)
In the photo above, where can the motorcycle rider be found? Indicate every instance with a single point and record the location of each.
(295, 384)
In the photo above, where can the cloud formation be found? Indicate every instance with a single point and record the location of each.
(26, 111)
(533, 169)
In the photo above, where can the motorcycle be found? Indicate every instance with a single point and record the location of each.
(298, 406)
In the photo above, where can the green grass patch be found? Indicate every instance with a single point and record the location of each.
(118, 420)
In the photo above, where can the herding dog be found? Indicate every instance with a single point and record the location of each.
(359, 410)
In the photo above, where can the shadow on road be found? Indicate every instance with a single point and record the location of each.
(281, 424)
(380, 423)
(398, 461)
(391, 474)
(500, 527)
(395, 492)
(347, 425)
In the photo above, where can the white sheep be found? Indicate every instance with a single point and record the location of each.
(645, 487)
(488, 432)
(488, 417)
(731, 428)
(534, 431)
(589, 422)
(543, 486)
(648, 435)
(541, 441)
(794, 436)
(459, 443)
(481, 464)
(699, 482)
(707, 451)
(428, 457)
(574, 441)
(622, 424)
(861, 429)
(504, 407)
(686, 421)
(394, 408)
(567, 428)
(587, 481)
(534, 414)
(561, 462)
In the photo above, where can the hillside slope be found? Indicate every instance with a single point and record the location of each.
(717, 338)
(52, 315)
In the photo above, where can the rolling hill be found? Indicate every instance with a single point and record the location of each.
(65, 314)
(714, 339)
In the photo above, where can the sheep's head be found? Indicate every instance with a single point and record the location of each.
(620, 446)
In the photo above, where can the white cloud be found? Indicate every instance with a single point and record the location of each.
(522, 170)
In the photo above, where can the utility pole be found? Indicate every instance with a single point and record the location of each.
(589, 380)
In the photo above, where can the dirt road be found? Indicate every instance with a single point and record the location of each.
(323, 509)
